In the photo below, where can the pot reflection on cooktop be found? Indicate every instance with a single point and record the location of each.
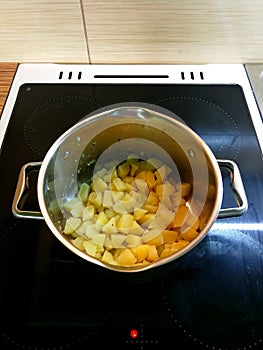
(216, 296)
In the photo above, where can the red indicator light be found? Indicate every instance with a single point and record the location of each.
(134, 333)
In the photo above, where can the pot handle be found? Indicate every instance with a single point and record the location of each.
(237, 190)
(21, 189)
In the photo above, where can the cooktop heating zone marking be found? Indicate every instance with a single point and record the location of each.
(232, 125)
(40, 117)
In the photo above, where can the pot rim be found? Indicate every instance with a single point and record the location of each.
(89, 120)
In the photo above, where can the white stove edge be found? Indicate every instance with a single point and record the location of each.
(168, 74)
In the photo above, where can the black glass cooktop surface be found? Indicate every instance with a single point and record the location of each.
(212, 299)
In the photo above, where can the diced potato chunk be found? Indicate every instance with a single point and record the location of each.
(73, 203)
(99, 239)
(77, 212)
(169, 236)
(108, 258)
(166, 252)
(133, 240)
(157, 241)
(150, 179)
(126, 221)
(117, 240)
(141, 185)
(189, 235)
(153, 254)
(152, 199)
(180, 215)
(99, 185)
(141, 252)
(185, 189)
(139, 213)
(119, 184)
(78, 242)
(101, 220)
(91, 229)
(176, 246)
(95, 199)
(123, 169)
(110, 226)
(133, 169)
(165, 189)
(126, 257)
(90, 248)
(71, 225)
(84, 192)
(117, 195)
(88, 212)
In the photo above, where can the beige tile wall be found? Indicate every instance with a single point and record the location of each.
(172, 31)
(41, 31)
(131, 31)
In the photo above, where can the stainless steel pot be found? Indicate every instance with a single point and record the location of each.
(111, 134)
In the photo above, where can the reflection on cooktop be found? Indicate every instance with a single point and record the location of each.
(218, 291)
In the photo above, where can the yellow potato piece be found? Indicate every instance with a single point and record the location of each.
(150, 179)
(185, 189)
(110, 226)
(88, 212)
(139, 213)
(193, 222)
(141, 175)
(90, 248)
(99, 185)
(123, 169)
(95, 199)
(150, 208)
(157, 241)
(78, 242)
(133, 169)
(72, 203)
(141, 185)
(126, 221)
(119, 184)
(108, 258)
(141, 252)
(165, 189)
(166, 252)
(126, 257)
(189, 235)
(180, 215)
(176, 246)
(162, 173)
(152, 199)
(153, 254)
(147, 217)
(133, 240)
(117, 240)
(169, 236)
(71, 225)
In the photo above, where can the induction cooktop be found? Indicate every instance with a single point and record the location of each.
(51, 300)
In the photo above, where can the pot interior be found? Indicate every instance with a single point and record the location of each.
(108, 140)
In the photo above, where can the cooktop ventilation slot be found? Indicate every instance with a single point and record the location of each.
(69, 75)
(192, 75)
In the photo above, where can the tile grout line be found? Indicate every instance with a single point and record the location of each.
(85, 30)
